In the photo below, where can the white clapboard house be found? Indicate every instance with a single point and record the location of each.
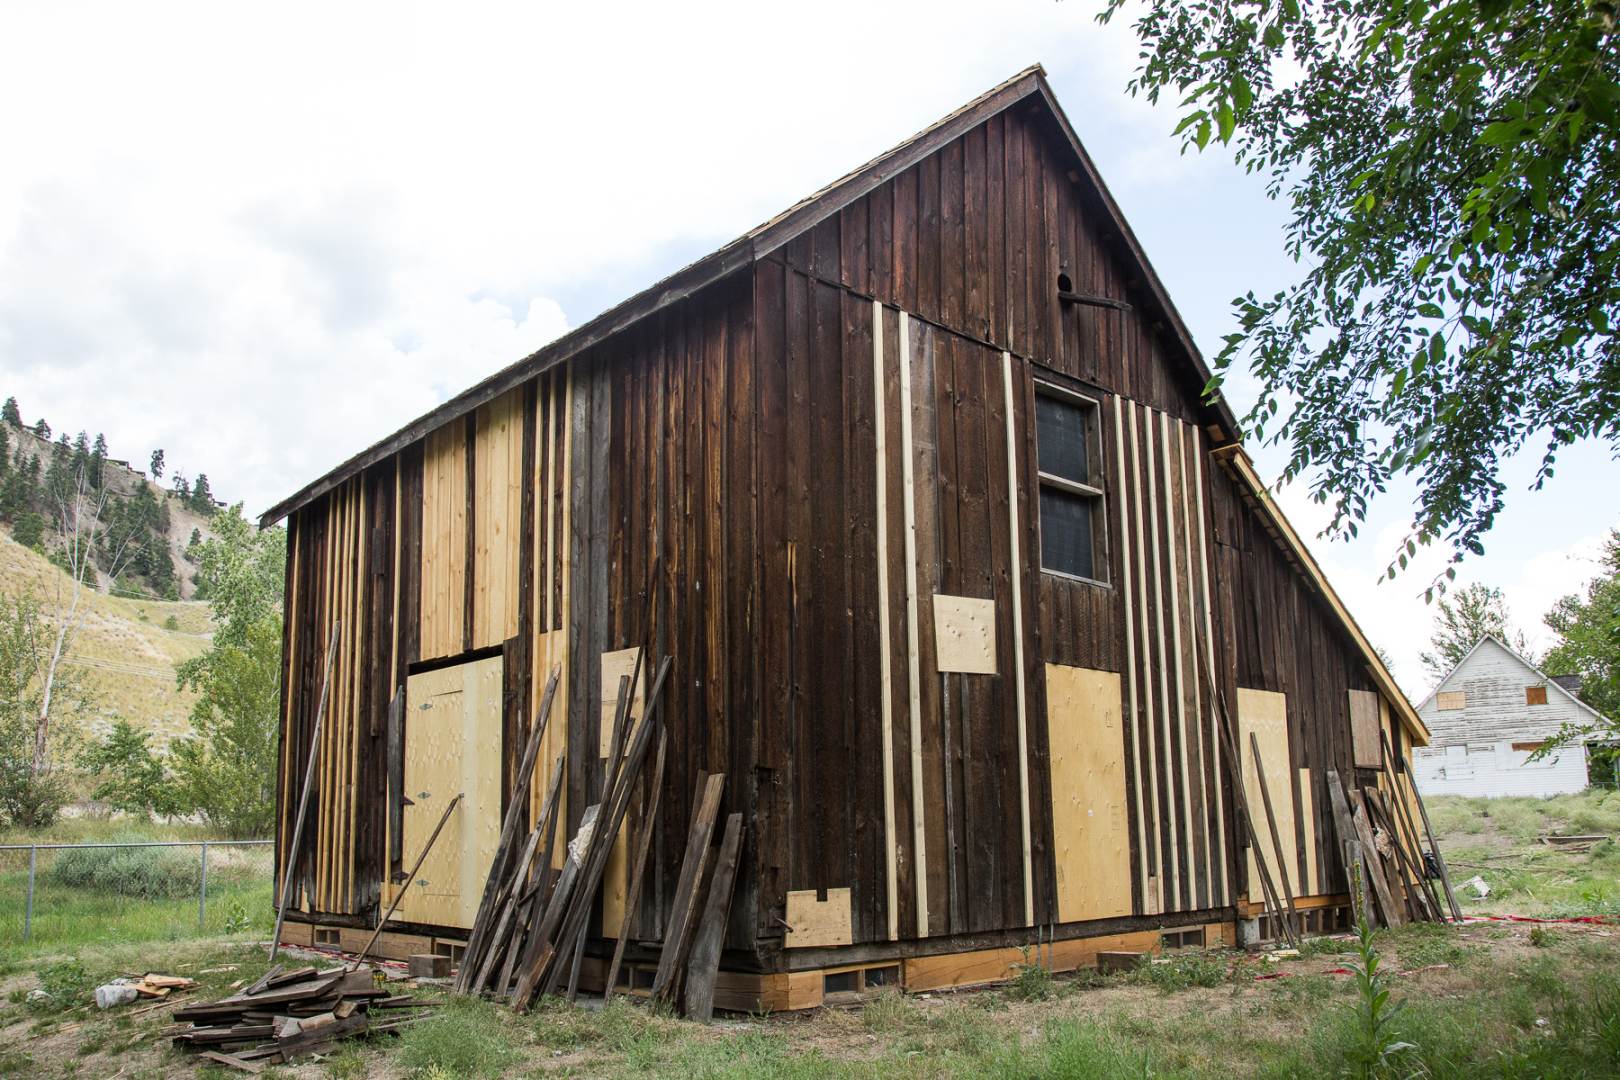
(1488, 717)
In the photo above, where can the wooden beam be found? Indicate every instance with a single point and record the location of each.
(891, 855)
(711, 931)
(919, 839)
(1020, 693)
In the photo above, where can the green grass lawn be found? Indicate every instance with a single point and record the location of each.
(1480, 1001)
(100, 897)
(1502, 1000)
(1496, 839)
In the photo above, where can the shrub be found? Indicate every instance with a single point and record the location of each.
(147, 873)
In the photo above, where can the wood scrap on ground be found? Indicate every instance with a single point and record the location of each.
(289, 1014)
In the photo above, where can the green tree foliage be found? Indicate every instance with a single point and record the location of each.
(29, 529)
(10, 413)
(136, 529)
(157, 464)
(225, 770)
(129, 776)
(27, 799)
(42, 430)
(202, 497)
(1588, 629)
(1460, 620)
(1451, 170)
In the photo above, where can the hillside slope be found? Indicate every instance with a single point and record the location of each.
(122, 482)
(124, 652)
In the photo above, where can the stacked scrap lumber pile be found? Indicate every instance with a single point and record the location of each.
(287, 1014)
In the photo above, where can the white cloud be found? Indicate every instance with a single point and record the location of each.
(262, 240)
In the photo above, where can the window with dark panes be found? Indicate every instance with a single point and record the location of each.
(1069, 459)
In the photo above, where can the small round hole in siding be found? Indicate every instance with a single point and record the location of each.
(1064, 284)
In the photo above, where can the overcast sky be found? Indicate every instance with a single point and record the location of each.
(262, 237)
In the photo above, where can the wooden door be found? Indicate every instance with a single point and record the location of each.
(452, 745)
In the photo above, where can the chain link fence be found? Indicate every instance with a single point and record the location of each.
(63, 894)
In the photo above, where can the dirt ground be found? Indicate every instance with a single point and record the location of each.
(1196, 1013)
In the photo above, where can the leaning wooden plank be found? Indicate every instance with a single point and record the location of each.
(495, 941)
(517, 809)
(534, 899)
(1412, 843)
(1375, 870)
(704, 966)
(233, 1061)
(1233, 760)
(288, 873)
(1350, 853)
(638, 863)
(1271, 823)
(678, 931)
(400, 895)
(1409, 866)
(537, 952)
(602, 840)
(264, 980)
(1434, 845)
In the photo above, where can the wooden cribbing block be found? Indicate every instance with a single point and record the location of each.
(1114, 961)
(429, 966)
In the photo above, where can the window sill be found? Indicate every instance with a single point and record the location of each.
(1062, 576)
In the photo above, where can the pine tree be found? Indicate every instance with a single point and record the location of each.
(202, 499)
(98, 460)
(157, 464)
(10, 413)
(42, 429)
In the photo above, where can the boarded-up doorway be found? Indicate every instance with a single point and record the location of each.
(452, 745)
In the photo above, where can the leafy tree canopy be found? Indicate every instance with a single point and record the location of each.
(1588, 629)
(225, 770)
(1451, 168)
(10, 413)
(1460, 620)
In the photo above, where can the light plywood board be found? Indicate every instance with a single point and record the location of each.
(1307, 814)
(615, 877)
(452, 745)
(1265, 713)
(818, 923)
(615, 666)
(497, 514)
(444, 542)
(1364, 723)
(965, 633)
(1090, 822)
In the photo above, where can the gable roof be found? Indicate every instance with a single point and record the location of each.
(1029, 84)
(1528, 666)
(1237, 462)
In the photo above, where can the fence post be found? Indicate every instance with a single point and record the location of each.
(202, 891)
(28, 913)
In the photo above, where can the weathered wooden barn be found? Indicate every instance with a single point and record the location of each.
(955, 564)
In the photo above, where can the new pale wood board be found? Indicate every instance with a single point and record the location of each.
(1090, 822)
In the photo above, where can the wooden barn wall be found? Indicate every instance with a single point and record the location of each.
(733, 439)
(1162, 582)
(1282, 638)
(974, 238)
(340, 581)
(662, 443)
